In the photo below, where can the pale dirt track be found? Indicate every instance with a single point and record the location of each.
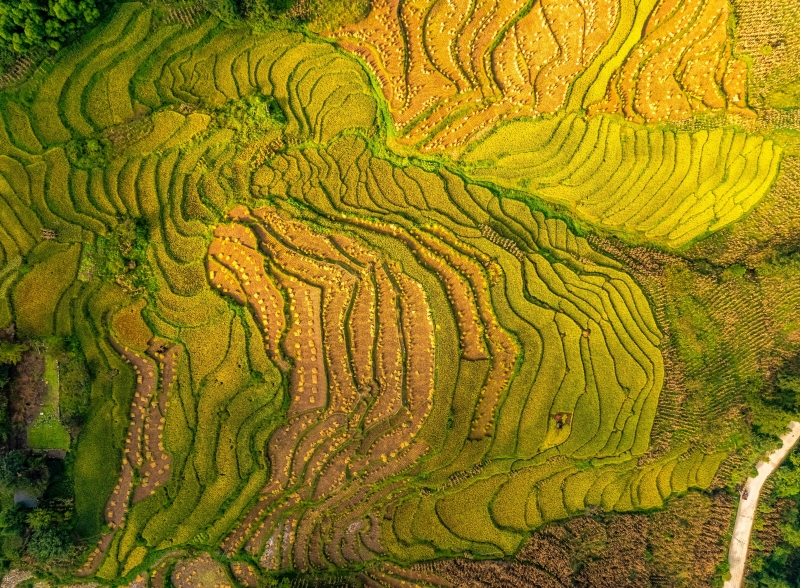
(737, 556)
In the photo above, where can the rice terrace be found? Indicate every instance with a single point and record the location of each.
(399, 293)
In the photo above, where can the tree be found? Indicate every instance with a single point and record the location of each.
(18, 472)
(31, 24)
(40, 518)
(772, 582)
(787, 477)
(12, 519)
(48, 544)
(12, 464)
(789, 382)
(786, 392)
(791, 535)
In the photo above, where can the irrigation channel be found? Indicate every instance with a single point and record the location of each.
(737, 556)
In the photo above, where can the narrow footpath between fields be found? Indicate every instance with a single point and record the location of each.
(737, 556)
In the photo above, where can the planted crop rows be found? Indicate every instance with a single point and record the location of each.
(473, 81)
(313, 354)
(659, 185)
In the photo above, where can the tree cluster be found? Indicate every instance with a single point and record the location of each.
(36, 492)
(26, 25)
(780, 567)
(40, 533)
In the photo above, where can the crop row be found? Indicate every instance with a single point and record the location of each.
(210, 437)
(125, 68)
(657, 184)
(429, 280)
(681, 64)
(20, 229)
(344, 414)
(209, 432)
(156, 468)
(492, 514)
(100, 448)
(146, 382)
(400, 328)
(451, 71)
(583, 327)
(543, 283)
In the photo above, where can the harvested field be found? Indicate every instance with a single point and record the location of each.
(451, 70)
(202, 572)
(146, 382)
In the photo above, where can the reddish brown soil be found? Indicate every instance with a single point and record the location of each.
(156, 469)
(146, 380)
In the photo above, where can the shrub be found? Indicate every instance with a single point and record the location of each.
(12, 546)
(47, 544)
(87, 153)
(261, 9)
(11, 466)
(20, 472)
(251, 115)
(227, 10)
(11, 352)
(787, 389)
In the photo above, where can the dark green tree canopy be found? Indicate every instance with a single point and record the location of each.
(30, 24)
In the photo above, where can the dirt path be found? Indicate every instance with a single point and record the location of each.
(737, 556)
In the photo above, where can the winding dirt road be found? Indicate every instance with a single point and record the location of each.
(737, 556)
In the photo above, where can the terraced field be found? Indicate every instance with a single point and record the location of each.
(656, 184)
(316, 349)
(451, 70)
(477, 81)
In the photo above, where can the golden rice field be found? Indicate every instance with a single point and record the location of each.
(423, 313)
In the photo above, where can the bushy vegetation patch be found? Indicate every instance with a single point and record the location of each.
(31, 24)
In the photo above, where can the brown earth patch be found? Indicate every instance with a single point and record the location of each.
(28, 390)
